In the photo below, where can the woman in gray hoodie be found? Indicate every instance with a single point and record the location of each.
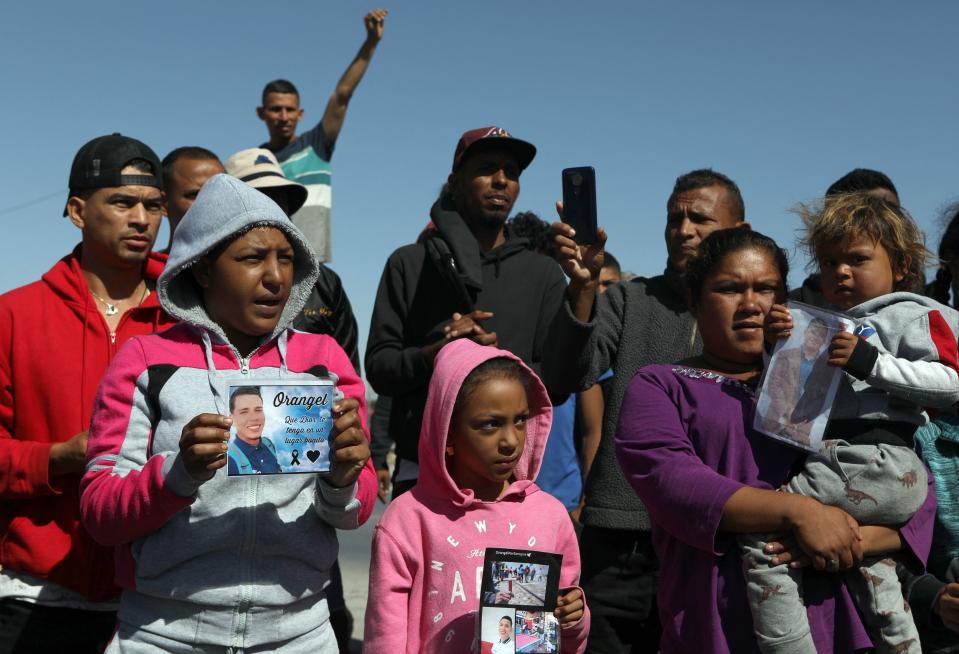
(210, 562)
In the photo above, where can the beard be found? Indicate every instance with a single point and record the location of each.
(490, 218)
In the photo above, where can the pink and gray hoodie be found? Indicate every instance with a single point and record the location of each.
(233, 561)
(428, 548)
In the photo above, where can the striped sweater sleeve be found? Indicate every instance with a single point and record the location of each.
(124, 493)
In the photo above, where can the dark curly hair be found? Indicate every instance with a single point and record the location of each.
(861, 180)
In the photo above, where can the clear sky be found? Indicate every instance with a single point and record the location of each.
(783, 97)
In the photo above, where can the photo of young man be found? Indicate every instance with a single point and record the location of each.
(250, 452)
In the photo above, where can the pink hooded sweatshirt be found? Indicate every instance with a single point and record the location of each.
(429, 546)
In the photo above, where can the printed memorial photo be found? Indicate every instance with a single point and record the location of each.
(798, 385)
(518, 592)
(280, 427)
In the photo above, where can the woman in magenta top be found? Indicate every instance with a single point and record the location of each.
(686, 444)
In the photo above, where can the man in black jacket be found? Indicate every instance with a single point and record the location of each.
(634, 324)
(466, 278)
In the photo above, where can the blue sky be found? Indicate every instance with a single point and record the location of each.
(783, 97)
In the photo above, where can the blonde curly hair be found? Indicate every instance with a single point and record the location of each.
(842, 218)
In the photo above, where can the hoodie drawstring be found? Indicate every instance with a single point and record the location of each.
(281, 346)
(211, 372)
(221, 404)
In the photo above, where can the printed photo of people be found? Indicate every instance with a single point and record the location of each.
(536, 631)
(799, 386)
(496, 632)
(519, 584)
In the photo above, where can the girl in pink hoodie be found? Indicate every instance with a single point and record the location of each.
(485, 426)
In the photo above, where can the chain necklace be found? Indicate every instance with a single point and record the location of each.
(111, 307)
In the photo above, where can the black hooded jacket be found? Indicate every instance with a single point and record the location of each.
(425, 283)
(328, 311)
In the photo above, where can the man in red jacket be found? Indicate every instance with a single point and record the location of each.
(57, 336)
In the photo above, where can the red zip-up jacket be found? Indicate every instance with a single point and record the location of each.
(54, 348)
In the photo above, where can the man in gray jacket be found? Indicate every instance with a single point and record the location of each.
(634, 324)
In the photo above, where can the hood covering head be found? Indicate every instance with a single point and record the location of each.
(225, 207)
(453, 365)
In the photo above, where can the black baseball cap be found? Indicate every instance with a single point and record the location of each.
(99, 162)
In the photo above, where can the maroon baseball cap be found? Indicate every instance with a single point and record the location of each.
(493, 137)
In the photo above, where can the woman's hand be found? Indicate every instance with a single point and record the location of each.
(569, 606)
(875, 540)
(350, 447)
(826, 534)
(778, 324)
(203, 445)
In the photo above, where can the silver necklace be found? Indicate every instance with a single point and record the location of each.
(111, 307)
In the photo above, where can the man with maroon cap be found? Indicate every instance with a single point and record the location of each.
(466, 278)
(57, 336)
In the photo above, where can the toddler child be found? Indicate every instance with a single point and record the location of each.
(901, 357)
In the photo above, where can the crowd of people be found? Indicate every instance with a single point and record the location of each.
(536, 396)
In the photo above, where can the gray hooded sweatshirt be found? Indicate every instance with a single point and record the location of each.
(235, 562)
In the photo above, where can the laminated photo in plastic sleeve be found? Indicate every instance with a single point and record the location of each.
(798, 385)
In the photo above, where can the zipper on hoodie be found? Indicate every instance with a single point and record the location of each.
(246, 588)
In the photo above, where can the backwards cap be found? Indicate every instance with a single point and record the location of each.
(98, 164)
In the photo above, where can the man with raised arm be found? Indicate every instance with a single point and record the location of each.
(306, 158)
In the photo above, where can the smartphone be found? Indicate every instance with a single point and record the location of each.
(579, 202)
